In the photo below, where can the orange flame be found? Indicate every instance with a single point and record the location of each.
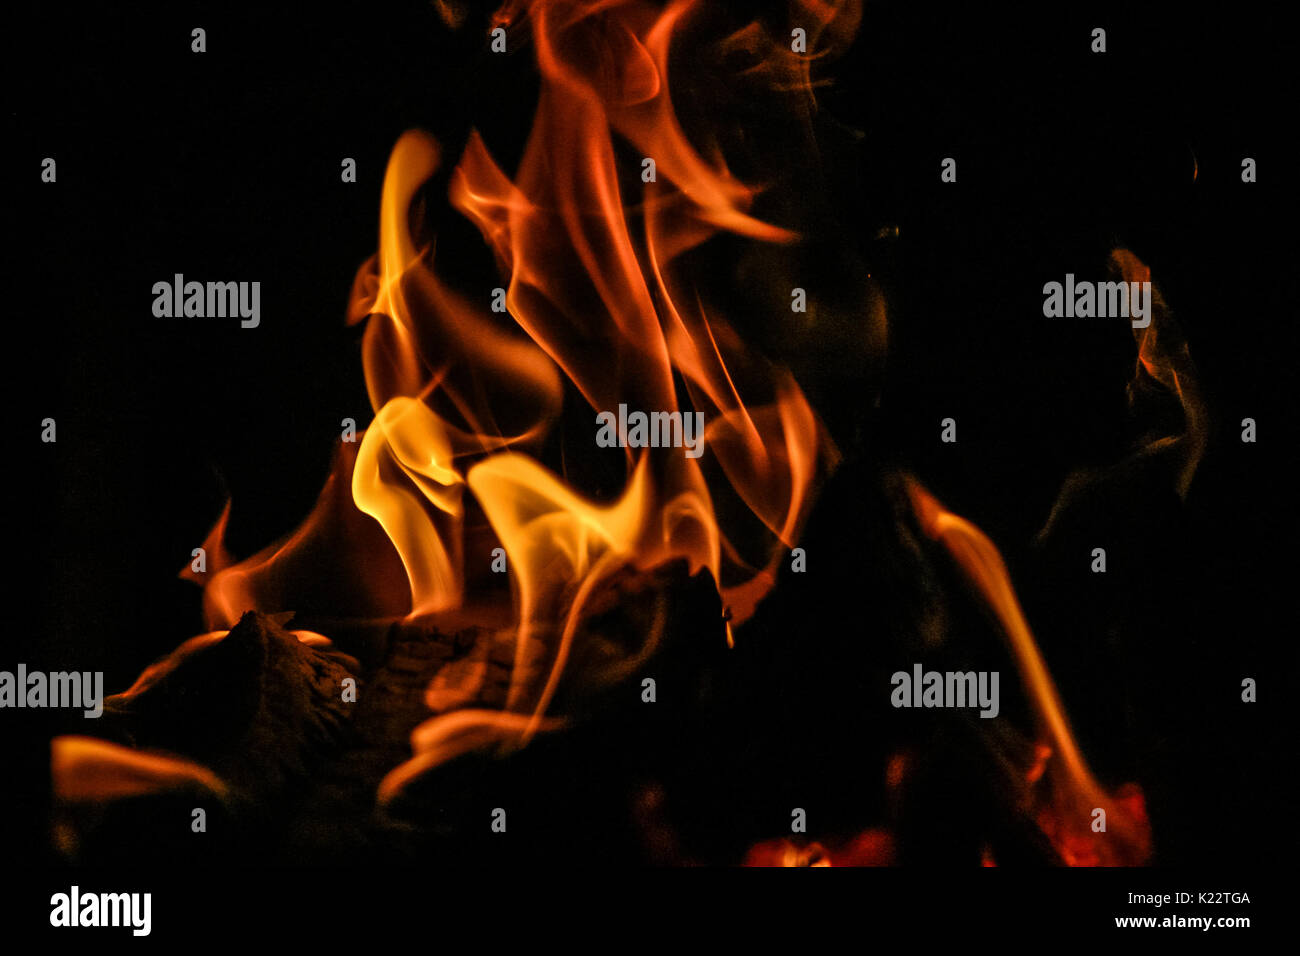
(90, 770)
(1067, 814)
(1164, 368)
(465, 397)
(1164, 357)
(870, 848)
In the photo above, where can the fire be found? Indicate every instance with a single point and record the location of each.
(1066, 813)
(1163, 358)
(1165, 374)
(870, 848)
(596, 305)
(465, 461)
(89, 769)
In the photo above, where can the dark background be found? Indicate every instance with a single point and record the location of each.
(225, 166)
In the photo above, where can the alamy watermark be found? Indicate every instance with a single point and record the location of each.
(653, 430)
(60, 689)
(75, 908)
(923, 688)
(211, 300)
(1101, 300)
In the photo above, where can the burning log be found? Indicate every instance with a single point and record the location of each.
(258, 705)
(519, 591)
(236, 719)
(423, 761)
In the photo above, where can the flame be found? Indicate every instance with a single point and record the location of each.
(598, 312)
(89, 770)
(1164, 370)
(870, 848)
(1163, 357)
(1066, 815)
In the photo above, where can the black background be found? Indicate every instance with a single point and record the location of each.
(225, 166)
